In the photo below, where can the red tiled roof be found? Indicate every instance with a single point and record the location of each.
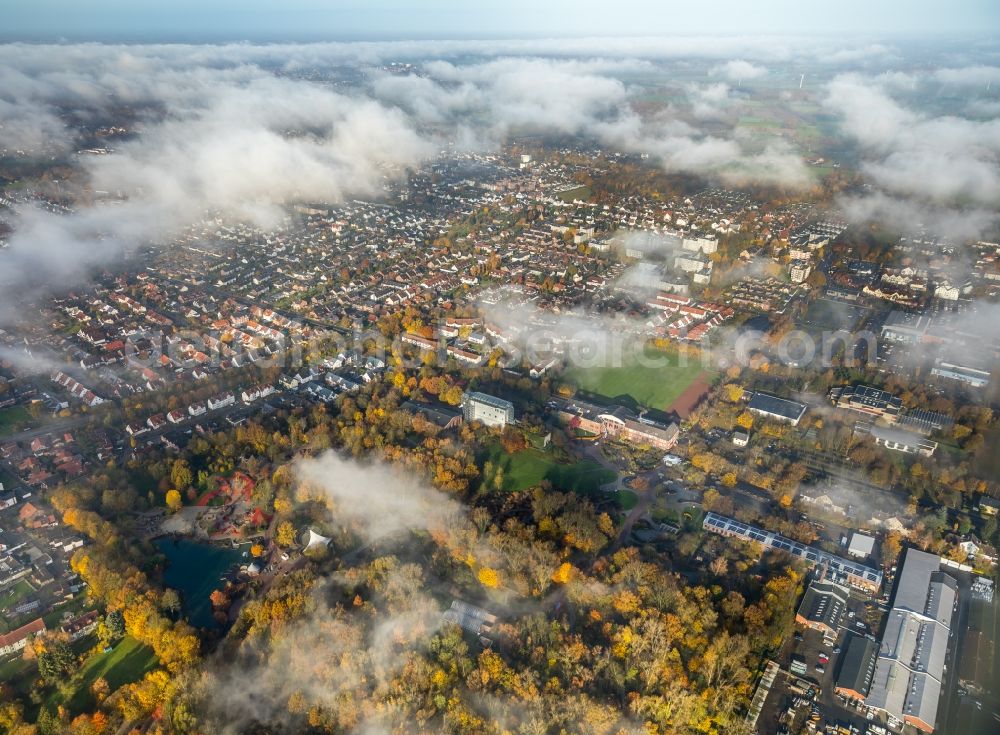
(35, 626)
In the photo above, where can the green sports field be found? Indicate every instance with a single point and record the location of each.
(655, 387)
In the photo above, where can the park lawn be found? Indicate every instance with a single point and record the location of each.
(655, 387)
(529, 467)
(128, 661)
(13, 418)
(628, 499)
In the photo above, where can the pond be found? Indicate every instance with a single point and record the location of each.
(194, 570)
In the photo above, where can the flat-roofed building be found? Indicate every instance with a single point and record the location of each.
(861, 545)
(868, 400)
(777, 409)
(924, 421)
(977, 376)
(905, 328)
(898, 440)
(488, 409)
(471, 618)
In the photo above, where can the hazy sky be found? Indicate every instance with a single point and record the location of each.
(340, 19)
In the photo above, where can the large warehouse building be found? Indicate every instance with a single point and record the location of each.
(911, 658)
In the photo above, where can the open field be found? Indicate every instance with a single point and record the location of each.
(581, 192)
(128, 661)
(655, 387)
(528, 468)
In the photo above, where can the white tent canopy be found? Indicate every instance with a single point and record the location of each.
(314, 539)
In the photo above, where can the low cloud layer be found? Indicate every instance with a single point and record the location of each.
(740, 70)
(236, 130)
(377, 501)
(939, 171)
(244, 130)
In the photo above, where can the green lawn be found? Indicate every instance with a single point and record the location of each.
(13, 418)
(628, 499)
(18, 673)
(655, 387)
(15, 593)
(128, 661)
(529, 467)
(580, 192)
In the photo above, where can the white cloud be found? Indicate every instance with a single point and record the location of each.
(378, 501)
(940, 170)
(740, 70)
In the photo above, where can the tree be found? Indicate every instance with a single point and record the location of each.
(170, 601)
(174, 501)
(56, 662)
(512, 440)
(719, 566)
(734, 392)
(563, 574)
(181, 474)
(10, 715)
(100, 689)
(115, 623)
(285, 534)
(452, 395)
(219, 599)
(745, 420)
(257, 550)
(892, 545)
(489, 578)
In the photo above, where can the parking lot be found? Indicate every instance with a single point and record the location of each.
(804, 699)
